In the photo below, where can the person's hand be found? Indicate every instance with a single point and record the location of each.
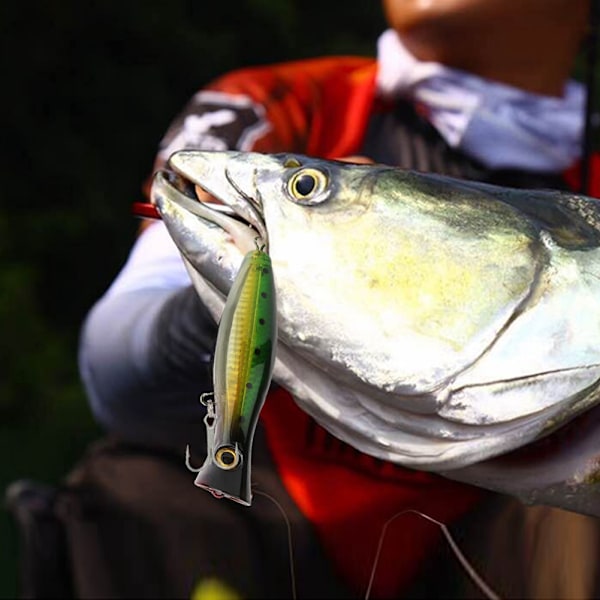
(357, 158)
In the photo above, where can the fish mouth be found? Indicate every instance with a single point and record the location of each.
(191, 182)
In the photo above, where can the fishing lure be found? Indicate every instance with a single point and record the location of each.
(242, 370)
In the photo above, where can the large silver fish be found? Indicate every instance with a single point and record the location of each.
(428, 321)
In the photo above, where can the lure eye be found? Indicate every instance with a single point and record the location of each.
(308, 186)
(227, 458)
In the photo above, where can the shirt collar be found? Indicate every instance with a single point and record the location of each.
(499, 125)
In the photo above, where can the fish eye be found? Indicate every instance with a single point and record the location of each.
(308, 186)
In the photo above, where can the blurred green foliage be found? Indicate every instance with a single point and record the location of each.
(87, 91)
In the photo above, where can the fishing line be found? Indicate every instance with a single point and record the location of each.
(289, 540)
(471, 571)
(479, 582)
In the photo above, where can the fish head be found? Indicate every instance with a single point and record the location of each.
(364, 252)
(422, 319)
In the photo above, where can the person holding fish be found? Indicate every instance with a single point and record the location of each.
(354, 430)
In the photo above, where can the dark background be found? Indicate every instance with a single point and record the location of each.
(88, 89)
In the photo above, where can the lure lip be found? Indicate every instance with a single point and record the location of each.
(220, 495)
(233, 484)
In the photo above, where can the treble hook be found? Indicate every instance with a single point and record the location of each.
(206, 399)
(187, 461)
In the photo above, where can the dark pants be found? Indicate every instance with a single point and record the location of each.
(128, 522)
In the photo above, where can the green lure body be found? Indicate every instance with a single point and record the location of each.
(242, 370)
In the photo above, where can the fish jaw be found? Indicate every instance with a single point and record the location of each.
(210, 242)
(210, 171)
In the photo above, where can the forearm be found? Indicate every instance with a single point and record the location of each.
(144, 359)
